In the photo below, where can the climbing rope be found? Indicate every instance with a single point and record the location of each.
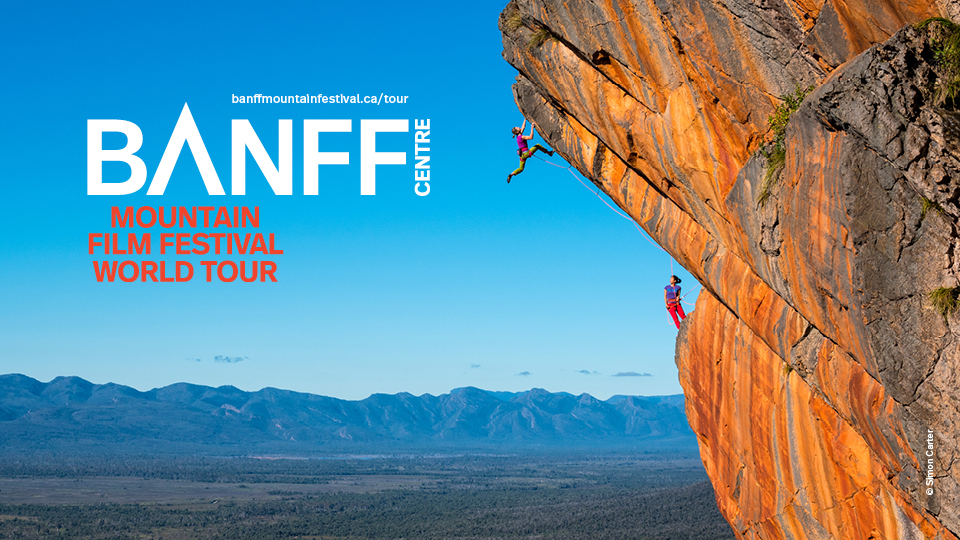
(646, 237)
(596, 192)
(684, 296)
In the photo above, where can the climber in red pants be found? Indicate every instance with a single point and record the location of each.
(671, 296)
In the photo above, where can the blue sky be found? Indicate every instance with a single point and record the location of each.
(504, 287)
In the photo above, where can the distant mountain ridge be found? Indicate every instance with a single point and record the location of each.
(71, 410)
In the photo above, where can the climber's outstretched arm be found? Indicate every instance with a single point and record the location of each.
(530, 136)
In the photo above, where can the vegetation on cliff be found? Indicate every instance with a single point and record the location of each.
(775, 151)
(541, 34)
(926, 205)
(945, 300)
(945, 43)
(514, 20)
(539, 37)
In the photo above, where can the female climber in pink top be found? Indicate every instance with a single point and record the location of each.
(522, 149)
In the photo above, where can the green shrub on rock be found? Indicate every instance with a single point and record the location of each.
(944, 300)
(945, 42)
(775, 150)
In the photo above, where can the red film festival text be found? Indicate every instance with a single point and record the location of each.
(223, 241)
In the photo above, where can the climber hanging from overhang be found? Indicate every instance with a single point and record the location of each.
(522, 149)
(671, 296)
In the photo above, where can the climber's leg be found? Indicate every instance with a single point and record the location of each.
(523, 162)
(673, 313)
(540, 148)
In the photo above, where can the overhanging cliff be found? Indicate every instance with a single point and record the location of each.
(818, 374)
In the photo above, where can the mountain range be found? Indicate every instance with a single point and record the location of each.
(70, 412)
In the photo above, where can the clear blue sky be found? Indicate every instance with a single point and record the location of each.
(503, 287)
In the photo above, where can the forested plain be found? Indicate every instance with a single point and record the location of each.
(510, 495)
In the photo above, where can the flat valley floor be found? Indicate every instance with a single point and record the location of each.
(514, 495)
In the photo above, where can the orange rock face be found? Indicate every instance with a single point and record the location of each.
(822, 384)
